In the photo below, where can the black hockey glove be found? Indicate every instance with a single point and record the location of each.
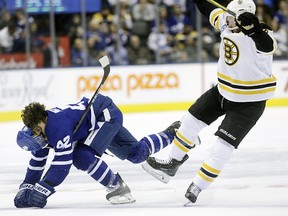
(41, 191)
(249, 24)
(21, 198)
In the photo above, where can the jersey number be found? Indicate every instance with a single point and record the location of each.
(65, 144)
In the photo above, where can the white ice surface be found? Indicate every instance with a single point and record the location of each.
(255, 182)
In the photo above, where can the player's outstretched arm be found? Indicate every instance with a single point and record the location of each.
(250, 26)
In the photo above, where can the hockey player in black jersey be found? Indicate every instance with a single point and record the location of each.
(101, 129)
(245, 82)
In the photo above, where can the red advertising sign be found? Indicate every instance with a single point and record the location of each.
(36, 60)
(19, 61)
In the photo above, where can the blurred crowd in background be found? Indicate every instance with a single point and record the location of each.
(130, 32)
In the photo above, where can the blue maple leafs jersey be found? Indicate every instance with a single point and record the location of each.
(59, 131)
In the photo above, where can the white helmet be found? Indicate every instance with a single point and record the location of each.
(241, 6)
(238, 7)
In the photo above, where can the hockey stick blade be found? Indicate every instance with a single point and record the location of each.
(104, 61)
(222, 7)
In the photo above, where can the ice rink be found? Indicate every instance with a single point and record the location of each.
(255, 182)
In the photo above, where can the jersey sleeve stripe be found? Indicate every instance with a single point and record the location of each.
(38, 158)
(36, 168)
(106, 114)
(61, 163)
(214, 18)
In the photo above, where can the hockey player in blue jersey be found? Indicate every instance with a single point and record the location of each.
(101, 129)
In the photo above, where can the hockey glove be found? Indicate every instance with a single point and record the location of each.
(41, 191)
(249, 24)
(21, 198)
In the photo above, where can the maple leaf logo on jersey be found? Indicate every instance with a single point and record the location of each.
(231, 51)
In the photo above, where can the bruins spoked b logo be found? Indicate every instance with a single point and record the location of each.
(231, 51)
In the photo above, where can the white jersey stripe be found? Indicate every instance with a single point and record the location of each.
(59, 163)
(95, 168)
(39, 158)
(64, 153)
(103, 175)
(151, 144)
(36, 168)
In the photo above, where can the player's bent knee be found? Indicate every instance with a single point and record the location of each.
(83, 158)
(139, 153)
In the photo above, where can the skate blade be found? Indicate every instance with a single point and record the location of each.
(125, 199)
(161, 176)
(187, 203)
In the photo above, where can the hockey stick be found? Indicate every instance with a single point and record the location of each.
(222, 7)
(104, 61)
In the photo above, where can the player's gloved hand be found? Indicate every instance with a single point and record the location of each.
(41, 191)
(21, 198)
(249, 23)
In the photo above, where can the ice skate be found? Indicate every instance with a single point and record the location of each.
(173, 127)
(163, 169)
(192, 193)
(120, 194)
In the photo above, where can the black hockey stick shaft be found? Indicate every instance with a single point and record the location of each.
(222, 7)
(104, 61)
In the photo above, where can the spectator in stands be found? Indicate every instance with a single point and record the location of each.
(52, 54)
(181, 3)
(177, 20)
(20, 35)
(137, 53)
(7, 36)
(95, 42)
(21, 18)
(77, 53)
(104, 16)
(187, 45)
(105, 35)
(157, 39)
(282, 12)
(5, 18)
(262, 13)
(117, 48)
(214, 55)
(74, 28)
(280, 35)
(112, 3)
(163, 16)
(163, 44)
(36, 38)
(208, 39)
(269, 6)
(143, 13)
(126, 20)
(92, 52)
